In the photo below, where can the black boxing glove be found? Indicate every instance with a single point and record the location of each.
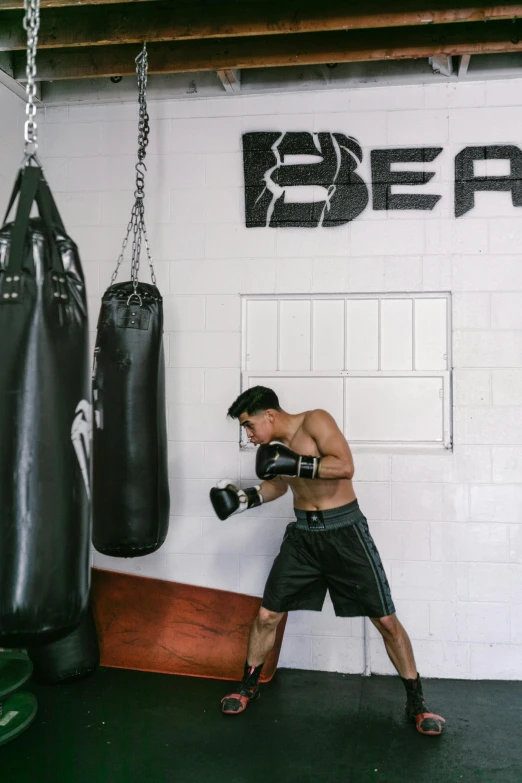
(227, 499)
(275, 459)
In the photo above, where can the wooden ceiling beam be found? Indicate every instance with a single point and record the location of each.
(13, 5)
(279, 50)
(89, 24)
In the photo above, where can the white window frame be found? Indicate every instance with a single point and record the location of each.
(446, 375)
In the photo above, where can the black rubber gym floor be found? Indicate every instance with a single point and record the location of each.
(131, 727)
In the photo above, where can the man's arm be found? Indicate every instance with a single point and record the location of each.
(273, 488)
(227, 499)
(335, 460)
(336, 456)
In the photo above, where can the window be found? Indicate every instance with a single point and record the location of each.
(380, 364)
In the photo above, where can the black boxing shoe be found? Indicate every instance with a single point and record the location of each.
(425, 722)
(248, 691)
(235, 703)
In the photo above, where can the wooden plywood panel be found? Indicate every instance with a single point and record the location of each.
(158, 626)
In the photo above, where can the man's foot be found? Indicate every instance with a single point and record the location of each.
(235, 703)
(425, 722)
(248, 691)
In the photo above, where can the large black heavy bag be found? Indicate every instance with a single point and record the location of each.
(45, 423)
(72, 658)
(130, 480)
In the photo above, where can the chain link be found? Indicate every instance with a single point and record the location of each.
(31, 25)
(136, 224)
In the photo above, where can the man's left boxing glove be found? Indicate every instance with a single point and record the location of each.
(227, 499)
(275, 459)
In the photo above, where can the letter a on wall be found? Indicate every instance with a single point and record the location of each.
(466, 183)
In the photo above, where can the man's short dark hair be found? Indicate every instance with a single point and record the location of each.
(253, 401)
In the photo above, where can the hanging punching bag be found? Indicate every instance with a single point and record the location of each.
(72, 658)
(45, 423)
(130, 482)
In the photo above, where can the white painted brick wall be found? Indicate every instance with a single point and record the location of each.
(448, 525)
(12, 118)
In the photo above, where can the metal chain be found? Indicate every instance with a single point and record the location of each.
(31, 25)
(136, 224)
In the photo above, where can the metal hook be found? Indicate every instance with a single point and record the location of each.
(142, 54)
(137, 297)
(29, 159)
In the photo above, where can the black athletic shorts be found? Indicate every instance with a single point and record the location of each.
(329, 550)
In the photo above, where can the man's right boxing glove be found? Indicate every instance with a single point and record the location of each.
(227, 499)
(275, 459)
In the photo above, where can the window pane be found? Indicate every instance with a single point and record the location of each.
(296, 395)
(431, 334)
(396, 334)
(294, 335)
(328, 335)
(261, 335)
(394, 409)
(362, 338)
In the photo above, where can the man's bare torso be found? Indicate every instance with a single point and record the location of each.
(316, 494)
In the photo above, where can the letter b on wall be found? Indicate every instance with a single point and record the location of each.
(326, 165)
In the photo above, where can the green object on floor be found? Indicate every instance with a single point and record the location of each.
(16, 714)
(15, 669)
(17, 710)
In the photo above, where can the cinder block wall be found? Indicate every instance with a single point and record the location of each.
(12, 118)
(448, 525)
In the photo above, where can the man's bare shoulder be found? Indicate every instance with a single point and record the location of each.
(317, 416)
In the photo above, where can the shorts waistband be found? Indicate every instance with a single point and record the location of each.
(329, 518)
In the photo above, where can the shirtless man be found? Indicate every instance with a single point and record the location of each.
(328, 547)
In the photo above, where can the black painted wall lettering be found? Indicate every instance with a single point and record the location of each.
(466, 183)
(267, 177)
(383, 178)
(331, 164)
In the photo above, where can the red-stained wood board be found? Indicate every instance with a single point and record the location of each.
(157, 626)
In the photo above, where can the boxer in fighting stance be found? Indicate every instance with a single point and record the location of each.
(328, 547)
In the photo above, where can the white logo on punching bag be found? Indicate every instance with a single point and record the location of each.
(81, 435)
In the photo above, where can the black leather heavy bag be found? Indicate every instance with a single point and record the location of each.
(72, 658)
(130, 482)
(45, 423)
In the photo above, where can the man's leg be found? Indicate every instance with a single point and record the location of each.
(262, 636)
(398, 645)
(260, 643)
(400, 652)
